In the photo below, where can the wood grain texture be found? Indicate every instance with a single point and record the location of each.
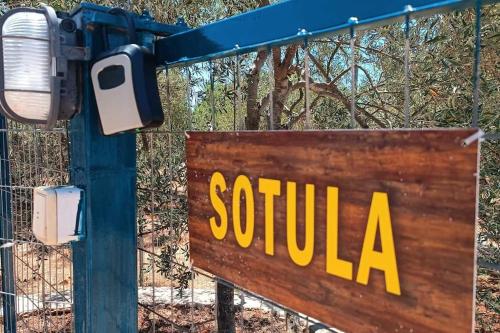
(431, 181)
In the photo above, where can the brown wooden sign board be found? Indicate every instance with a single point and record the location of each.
(366, 231)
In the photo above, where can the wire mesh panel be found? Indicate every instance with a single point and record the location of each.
(173, 295)
(41, 274)
(364, 79)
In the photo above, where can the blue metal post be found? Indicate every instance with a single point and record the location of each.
(105, 262)
(6, 235)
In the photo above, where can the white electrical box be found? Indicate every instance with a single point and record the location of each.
(56, 214)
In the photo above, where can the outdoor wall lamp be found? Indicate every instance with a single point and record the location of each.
(38, 67)
(39, 73)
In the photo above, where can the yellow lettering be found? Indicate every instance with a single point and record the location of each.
(270, 188)
(334, 265)
(217, 181)
(300, 257)
(242, 184)
(379, 219)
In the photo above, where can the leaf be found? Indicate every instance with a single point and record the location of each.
(436, 39)
(495, 36)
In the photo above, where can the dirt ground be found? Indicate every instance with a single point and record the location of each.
(488, 303)
(199, 319)
(202, 319)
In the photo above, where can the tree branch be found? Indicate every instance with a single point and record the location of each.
(344, 72)
(302, 114)
(318, 65)
(367, 48)
(331, 90)
(370, 81)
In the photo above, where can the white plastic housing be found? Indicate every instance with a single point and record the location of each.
(55, 214)
(27, 65)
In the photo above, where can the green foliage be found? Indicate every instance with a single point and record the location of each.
(489, 203)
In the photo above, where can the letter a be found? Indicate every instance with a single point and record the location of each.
(379, 218)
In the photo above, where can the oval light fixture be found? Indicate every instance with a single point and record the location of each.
(38, 68)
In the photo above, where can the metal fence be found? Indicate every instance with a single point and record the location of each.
(173, 295)
(38, 281)
(214, 96)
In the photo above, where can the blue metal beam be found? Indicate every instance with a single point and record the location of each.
(96, 14)
(287, 22)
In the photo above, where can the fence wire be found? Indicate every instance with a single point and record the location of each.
(41, 275)
(173, 295)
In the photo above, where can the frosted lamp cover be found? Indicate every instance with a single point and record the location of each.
(27, 65)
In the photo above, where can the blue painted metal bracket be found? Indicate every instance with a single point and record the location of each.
(96, 14)
(287, 22)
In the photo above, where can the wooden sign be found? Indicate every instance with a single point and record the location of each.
(366, 231)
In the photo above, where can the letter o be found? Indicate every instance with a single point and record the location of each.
(242, 184)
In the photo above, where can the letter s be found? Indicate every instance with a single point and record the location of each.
(217, 181)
